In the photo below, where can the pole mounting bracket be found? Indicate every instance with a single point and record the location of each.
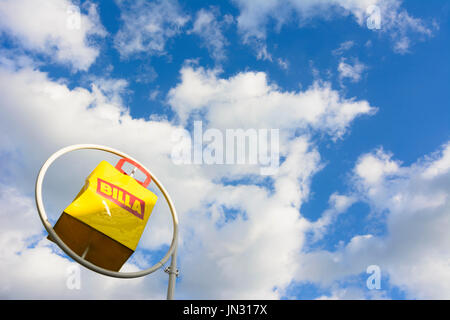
(168, 270)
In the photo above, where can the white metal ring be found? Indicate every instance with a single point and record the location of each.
(70, 252)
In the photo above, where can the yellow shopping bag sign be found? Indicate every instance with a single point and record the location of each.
(107, 218)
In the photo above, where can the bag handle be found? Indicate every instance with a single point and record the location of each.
(120, 164)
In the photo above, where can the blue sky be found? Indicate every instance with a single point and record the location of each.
(356, 187)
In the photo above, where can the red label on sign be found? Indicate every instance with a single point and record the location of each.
(121, 197)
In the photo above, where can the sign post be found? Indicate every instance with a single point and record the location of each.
(171, 253)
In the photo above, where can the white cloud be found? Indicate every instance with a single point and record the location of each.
(354, 293)
(352, 72)
(54, 28)
(343, 47)
(227, 103)
(154, 94)
(112, 89)
(210, 29)
(372, 168)
(283, 63)
(255, 16)
(413, 255)
(337, 204)
(147, 26)
(402, 45)
(404, 29)
(439, 166)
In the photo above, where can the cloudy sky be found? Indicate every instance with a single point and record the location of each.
(357, 89)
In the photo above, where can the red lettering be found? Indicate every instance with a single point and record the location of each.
(121, 197)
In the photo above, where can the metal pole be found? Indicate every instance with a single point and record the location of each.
(173, 274)
(172, 269)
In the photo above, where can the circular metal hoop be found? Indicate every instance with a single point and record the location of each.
(72, 254)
